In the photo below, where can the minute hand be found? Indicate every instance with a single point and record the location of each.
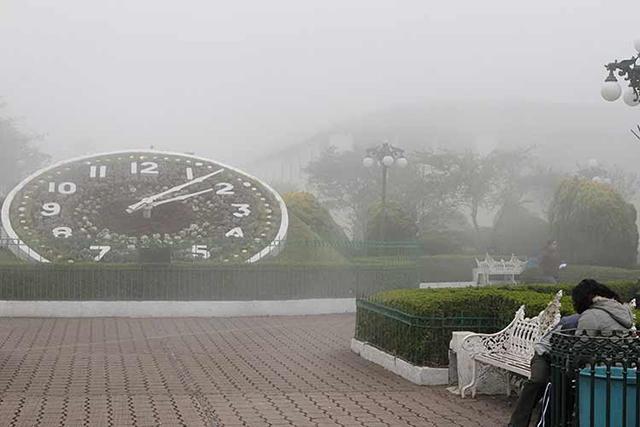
(183, 197)
(145, 201)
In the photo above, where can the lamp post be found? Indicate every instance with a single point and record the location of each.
(386, 156)
(629, 70)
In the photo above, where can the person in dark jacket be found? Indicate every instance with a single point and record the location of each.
(550, 261)
(599, 310)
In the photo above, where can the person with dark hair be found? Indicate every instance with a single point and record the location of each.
(598, 310)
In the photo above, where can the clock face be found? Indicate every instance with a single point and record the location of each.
(104, 208)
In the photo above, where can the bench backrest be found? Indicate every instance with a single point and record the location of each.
(524, 332)
(522, 337)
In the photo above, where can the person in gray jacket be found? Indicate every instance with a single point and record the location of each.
(599, 311)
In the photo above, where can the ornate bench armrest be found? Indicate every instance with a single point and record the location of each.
(487, 343)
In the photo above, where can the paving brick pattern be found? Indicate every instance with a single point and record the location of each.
(270, 371)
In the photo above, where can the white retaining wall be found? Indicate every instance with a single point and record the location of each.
(421, 375)
(176, 308)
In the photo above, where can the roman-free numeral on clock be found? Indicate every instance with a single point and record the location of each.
(235, 232)
(200, 251)
(63, 187)
(148, 168)
(103, 251)
(62, 232)
(189, 174)
(243, 210)
(226, 189)
(97, 171)
(50, 209)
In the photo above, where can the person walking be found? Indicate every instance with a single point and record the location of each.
(550, 262)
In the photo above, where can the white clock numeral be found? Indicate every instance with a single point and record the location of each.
(63, 187)
(189, 174)
(235, 232)
(243, 210)
(62, 232)
(103, 251)
(97, 171)
(149, 168)
(50, 209)
(200, 251)
(226, 189)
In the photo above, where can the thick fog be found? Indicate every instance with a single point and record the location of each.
(236, 80)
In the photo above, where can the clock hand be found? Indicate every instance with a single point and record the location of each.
(183, 197)
(150, 199)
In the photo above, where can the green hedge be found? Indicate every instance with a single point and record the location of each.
(198, 282)
(458, 268)
(418, 324)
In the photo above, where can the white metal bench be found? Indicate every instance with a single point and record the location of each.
(490, 267)
(511, 349)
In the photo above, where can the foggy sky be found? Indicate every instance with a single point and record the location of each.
(232, 79)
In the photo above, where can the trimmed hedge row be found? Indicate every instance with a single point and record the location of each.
(458, 268)
(193, 282)
(416, 324)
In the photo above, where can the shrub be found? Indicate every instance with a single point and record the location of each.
(593, 224)
(310, 222)
(306, 208)
(391, 224)
(518, 231)
(416, 324)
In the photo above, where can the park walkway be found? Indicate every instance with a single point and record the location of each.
(260, 371)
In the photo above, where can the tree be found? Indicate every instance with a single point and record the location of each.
(517, 230)
(349, 189)
(19, 155)
(593, 224)
(468, 179)
(391, 224)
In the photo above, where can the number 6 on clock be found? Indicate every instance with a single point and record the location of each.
(103, 251)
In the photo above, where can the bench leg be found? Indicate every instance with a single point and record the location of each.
(508, 379)
(472, 384)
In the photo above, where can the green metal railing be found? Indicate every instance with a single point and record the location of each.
(195, 282)
(422, 341)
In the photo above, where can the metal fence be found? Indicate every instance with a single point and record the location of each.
(285, 251)
(198, 282)
(593, 380)
(423, 341)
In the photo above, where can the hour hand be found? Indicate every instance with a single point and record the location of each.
(183, 197)
(150, 199)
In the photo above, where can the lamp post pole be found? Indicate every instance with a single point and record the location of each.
(385, 155)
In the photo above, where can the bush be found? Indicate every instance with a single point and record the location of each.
(416, 324)
(593, 224)
(573, 274)
(518, 231)
(310, 222)
(306, 208)
(391, 224)
(195, 282)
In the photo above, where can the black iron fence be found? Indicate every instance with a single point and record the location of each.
(279, 251)
(594, 380)
(198, 282)
(423, 341)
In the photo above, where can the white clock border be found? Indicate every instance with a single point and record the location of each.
(21, 249)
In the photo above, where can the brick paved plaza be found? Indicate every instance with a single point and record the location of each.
(272, 371)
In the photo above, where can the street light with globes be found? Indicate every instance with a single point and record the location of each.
(386, 156)
(629, 69)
